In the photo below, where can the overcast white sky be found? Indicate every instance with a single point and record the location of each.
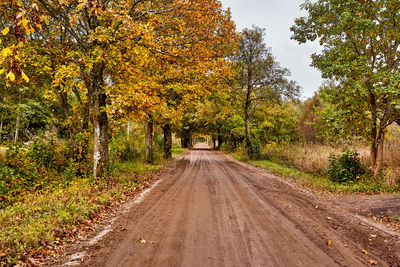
(277, 16)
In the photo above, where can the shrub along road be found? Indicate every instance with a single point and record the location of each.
(212, 210)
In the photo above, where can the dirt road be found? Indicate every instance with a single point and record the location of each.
(215, 211)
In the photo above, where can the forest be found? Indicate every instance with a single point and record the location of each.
(97, 96)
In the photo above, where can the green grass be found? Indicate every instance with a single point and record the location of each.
(177, 151)
(320, 182)
(29, 227)
(34, 226)
(317, 182)
(396, 218)
(239, 156)
(303, 178)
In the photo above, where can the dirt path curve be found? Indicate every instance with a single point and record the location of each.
(215, 211)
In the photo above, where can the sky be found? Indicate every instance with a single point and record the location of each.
(277, 16)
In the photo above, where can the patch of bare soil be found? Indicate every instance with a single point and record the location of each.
(215, 211)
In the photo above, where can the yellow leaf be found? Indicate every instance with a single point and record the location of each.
(2, 71)
(25, 77)
(11, 76)
(5, 31)
(6, 51)
(329, 243)
(364, 251)
(24, 22)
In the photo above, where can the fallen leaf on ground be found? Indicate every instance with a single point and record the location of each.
(373, 262)
(141, 240)
(329, 243)
(364, 251)
(373, 236)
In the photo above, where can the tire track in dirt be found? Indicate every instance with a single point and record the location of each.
(214, 211)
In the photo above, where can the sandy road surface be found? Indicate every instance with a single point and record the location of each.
(214, 211)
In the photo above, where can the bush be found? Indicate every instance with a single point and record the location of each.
(122, 149)
(34, 167)
(346, 168)
(255, 150)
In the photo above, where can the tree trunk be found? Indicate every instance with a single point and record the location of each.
(247, 114)
(167, 141)
(16, 130)
(149, 141)
(1, 127)
(183, 142)
(100, 123)
(220, 139)
(83, 142)
(234, 142)
(186, 139)
(71, 127)
(377, 168)
(128, 129)
(214, 142)
(247, 131)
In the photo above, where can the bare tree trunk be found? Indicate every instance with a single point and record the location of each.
(167, 141)
(149, 141)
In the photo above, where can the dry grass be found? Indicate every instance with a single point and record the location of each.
(310, 159)
(315, 158)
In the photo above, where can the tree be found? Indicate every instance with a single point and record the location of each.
(277, 123)
(361, 53)
(309, 119)
(261, 79)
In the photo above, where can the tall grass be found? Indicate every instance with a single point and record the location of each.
(314, 159)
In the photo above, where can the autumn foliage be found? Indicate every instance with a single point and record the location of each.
(115, 60)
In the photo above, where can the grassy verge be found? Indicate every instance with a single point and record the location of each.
(47, 220)
(320, 183)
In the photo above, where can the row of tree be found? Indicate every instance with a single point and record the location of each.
(88, 65)
(98, 62)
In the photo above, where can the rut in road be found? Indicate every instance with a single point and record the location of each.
(215, 211)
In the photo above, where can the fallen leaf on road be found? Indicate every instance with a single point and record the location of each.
(141, 240)
(329, 218)
(329, 243)
(364, 251)
(373, 236)
(373, 262)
